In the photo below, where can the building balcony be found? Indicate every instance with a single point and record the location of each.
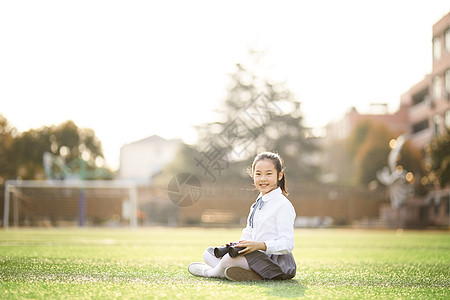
(421, 109)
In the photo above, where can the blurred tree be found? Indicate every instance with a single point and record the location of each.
(76, 146)
(29, 150)
(358, 136)
(367, 151)
(439, 153)
(79, 147)
(348, 161)
(413, 161)
(372, 153)
(7, 134)
(257, 114)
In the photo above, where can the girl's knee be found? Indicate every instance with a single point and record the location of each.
(209, 258)
(209, 252)
(226, 260)
(240, 261)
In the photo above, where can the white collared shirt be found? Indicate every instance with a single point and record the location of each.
(273, 224)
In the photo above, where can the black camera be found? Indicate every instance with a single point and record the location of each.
(233, 251)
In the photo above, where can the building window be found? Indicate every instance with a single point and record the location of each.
(436, 48)
(420, 96)
(437, 87)
(422, 125)
(437, 124)
(447, 119)
(447, 40)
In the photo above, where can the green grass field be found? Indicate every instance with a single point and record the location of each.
(152, 263)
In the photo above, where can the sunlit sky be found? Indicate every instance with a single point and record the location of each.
(131, 69)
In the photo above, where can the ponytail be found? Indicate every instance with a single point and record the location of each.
(282, 184)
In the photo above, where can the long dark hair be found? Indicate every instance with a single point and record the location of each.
(279, 166)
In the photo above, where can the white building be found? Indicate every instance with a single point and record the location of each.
(142, 159)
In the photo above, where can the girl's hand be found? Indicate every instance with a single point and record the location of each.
(251, 246)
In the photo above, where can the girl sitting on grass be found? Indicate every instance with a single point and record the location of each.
(268, 238)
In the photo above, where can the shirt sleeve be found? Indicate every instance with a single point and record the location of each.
(246, 232)
(284, 243)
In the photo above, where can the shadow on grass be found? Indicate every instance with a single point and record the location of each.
(278, 288)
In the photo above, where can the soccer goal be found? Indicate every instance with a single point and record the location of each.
(70, 203)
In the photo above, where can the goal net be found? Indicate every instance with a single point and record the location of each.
(70, 203)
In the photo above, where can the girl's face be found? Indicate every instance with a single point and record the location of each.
(265, 176)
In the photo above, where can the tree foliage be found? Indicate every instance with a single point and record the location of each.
(7, 134)
(439, 154)
(365, 151)
(372, 151)
(21, 155)
(257, 114)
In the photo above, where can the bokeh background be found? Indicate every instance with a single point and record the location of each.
(142, 92)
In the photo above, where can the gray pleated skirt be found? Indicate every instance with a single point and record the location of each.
(272, 266)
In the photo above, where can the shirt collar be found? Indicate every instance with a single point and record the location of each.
(271, 195)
